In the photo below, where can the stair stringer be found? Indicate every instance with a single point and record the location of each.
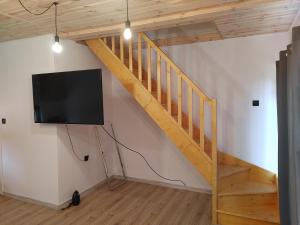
(155, 110)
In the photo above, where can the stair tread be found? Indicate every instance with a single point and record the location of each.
(226, 170)
(248, 188)
(269, 214)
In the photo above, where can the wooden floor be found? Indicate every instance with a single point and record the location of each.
(132, 204)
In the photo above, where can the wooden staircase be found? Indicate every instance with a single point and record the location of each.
(242, 194)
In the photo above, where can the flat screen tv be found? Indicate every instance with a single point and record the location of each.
(68, 97)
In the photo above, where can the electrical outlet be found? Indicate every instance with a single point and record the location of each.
(255, 103)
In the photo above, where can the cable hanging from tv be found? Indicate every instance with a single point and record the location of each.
(111, 185)
(72, 146)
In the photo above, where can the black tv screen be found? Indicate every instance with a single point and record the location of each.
(68, 97)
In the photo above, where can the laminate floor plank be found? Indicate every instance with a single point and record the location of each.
(131, 204)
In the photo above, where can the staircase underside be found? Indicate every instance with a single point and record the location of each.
(156, 111)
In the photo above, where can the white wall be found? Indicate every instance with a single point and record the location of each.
(29, 149)
(235, 72)
(38, 161)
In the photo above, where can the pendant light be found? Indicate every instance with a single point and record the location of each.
(56, 47)
(127, 31)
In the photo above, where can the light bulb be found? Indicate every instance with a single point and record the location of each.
(127, 31)
(57, 47)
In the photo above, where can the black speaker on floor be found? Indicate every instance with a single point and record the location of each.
(75, 198)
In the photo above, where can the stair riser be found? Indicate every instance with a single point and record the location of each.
(250, 201)
(228, 181)
(256, 174)
(224, 219)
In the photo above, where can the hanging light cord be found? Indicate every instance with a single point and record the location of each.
(37, 14)
(127, 10)
(43, 12)
(55, 4)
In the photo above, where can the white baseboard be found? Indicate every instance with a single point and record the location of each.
(158, 183)
(30, 200)
(50, 205)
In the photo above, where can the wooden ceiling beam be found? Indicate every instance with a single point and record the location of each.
(176, 19)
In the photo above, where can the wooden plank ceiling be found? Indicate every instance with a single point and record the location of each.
(170, 21)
